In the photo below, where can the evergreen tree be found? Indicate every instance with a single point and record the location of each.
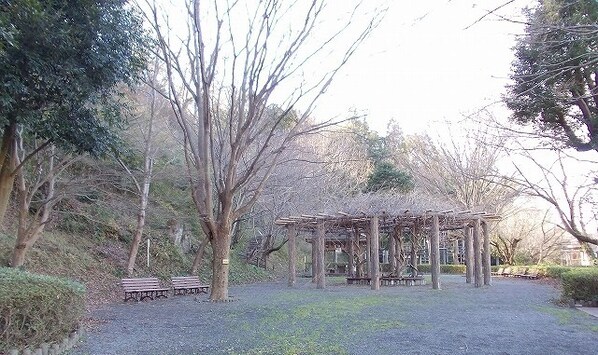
(61, 61)
(555, 81)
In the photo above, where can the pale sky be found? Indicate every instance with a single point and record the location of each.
(422, 67)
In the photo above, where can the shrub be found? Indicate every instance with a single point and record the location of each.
(36, 308)
(452, 269)
(421, 268)
(444, 268)
(556, 271)
(581, 284)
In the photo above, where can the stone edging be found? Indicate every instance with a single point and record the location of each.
(52, 348)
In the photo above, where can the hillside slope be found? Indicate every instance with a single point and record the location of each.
(98, 262)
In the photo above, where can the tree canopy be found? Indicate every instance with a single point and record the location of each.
(61, 61)
(387, 177)
(555, 73)
(382, 151)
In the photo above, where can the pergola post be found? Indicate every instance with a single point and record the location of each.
(314, 257)
(392, 249)
(435, 252)
(358, 251)
(477, 255)
(368, 253)
(468, 254)
(321, 252)
(351, 253)
(374, 250)
(414, 236)
(291, 234)
(486, 254)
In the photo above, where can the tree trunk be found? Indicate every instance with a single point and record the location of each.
(220, 264)
(30, 229)
(22, 243)
(8, 159)
(456, 252)
(140, 221)
(199, 256)
(17, 258)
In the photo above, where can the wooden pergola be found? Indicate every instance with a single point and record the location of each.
(348, 228)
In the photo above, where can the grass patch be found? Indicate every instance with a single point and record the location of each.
(323, 324)
(563, 315)
(571, 317)
(336, 280)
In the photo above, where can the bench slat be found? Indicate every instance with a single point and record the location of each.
(188, 284)
(141, 288)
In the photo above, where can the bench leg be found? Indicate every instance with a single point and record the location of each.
(146, 294)
(130, 296)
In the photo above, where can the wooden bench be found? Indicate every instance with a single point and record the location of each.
(182, 285)
(532, 274)
(521, 272)
(358, 280)
(391, 280)
(500, 272)
(414, 280)
(140, 288)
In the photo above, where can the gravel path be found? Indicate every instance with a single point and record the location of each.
(512, 317)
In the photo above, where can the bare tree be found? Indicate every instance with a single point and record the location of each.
(561, 183)
(313, 171)
(236, 60)
(465, 172)
(149, 124)
(545, 244)
(526, 234)
(36, 191)
(505, 241)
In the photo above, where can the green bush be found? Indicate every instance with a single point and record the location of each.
(444, 268)
(421, 268)
(581, 284)
(452, 269)
(36, 308)
(556, 271)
